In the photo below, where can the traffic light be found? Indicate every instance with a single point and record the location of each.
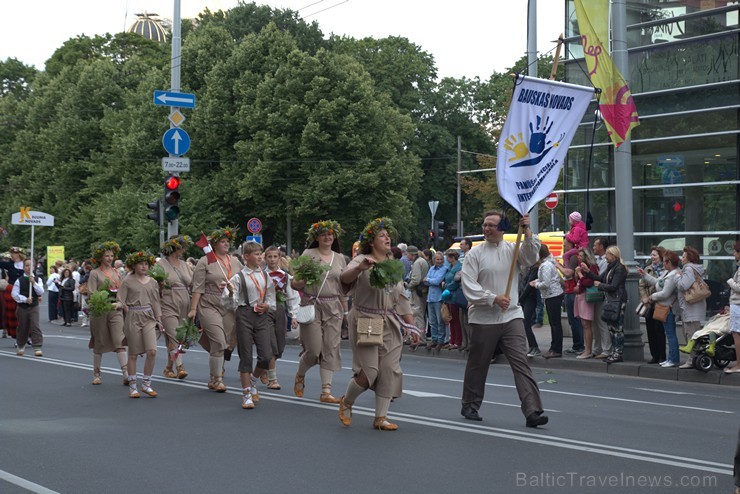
(171, 197)
(439, 229)
(155, 207)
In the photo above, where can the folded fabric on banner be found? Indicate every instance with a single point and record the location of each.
(542, 120)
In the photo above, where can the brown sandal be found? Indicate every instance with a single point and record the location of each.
(382, 424)
(273, 385)
(169, 373)
(345, 412)
(181, 372)
(299, 385)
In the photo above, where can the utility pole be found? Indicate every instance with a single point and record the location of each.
(633, 345)
(175, 63)
(532, 72)
(459, 194)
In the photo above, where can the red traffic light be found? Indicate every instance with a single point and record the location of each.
(172, 182)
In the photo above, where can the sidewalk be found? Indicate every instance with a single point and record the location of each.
(569, 362)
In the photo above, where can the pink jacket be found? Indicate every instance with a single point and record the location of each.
(578, 235)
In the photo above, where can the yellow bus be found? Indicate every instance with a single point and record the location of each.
(553, 240)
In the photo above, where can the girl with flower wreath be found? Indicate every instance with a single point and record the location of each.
(322, 337)
(175, 298)
(106, 331)
(209, 281)
(139, 299)
(376, 367)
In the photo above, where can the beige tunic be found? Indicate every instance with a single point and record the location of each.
(176, 299)
(321, 339)
(142, 301)
(381, 364)
(217, 322)
(107, 330)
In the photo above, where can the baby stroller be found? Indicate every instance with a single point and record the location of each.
(721, 353)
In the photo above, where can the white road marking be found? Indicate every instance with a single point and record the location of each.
(653, 390)
(424, 394)
(544, 390)
(541, 437)
(25, 484)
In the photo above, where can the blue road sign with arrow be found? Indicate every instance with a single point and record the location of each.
(169, 98)
(176, 142)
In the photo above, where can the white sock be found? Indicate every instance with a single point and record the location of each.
(246, 391)
(353, 391)
(381, 406)
(178, 360)
(97, 360)
(272, 375)
(326, 377)
(253, 380)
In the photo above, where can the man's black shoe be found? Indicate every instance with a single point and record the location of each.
(470, 413)
(536, 418)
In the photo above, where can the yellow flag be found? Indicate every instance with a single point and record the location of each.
(617, 106)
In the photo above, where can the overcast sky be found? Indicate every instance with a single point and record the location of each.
(466, 37)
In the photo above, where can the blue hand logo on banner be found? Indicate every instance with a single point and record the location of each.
(537, 144)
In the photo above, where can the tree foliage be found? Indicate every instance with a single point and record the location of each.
(289, 127)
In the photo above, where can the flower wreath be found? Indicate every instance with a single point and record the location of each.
(100, 250)
(324, 226)
(371, 230)
(179, 242)
(227, 232)
(139, 256)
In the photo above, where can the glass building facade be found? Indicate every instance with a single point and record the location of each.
(685, 79)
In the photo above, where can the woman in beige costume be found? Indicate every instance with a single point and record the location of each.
(175, 300)
(106, 330)
(209, 280)
(322, 337)
(139, 299)
(376, 367)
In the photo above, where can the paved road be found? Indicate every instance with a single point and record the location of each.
(607, 433)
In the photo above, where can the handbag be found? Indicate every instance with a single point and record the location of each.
(445, 312)
(593, 295)
(660, 313)
(307, 313)
(698, 291)
(369, 331)
(642, 309)
(610, 311)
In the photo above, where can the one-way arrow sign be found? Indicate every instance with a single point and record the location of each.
(166, 98)
(176, 142)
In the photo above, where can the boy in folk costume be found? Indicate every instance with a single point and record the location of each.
(252, 292)
(286, 298)
(139, 299)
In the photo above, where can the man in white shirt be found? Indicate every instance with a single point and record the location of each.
(494, 320)
(26, 292)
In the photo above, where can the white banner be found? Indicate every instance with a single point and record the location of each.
(543, 118)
